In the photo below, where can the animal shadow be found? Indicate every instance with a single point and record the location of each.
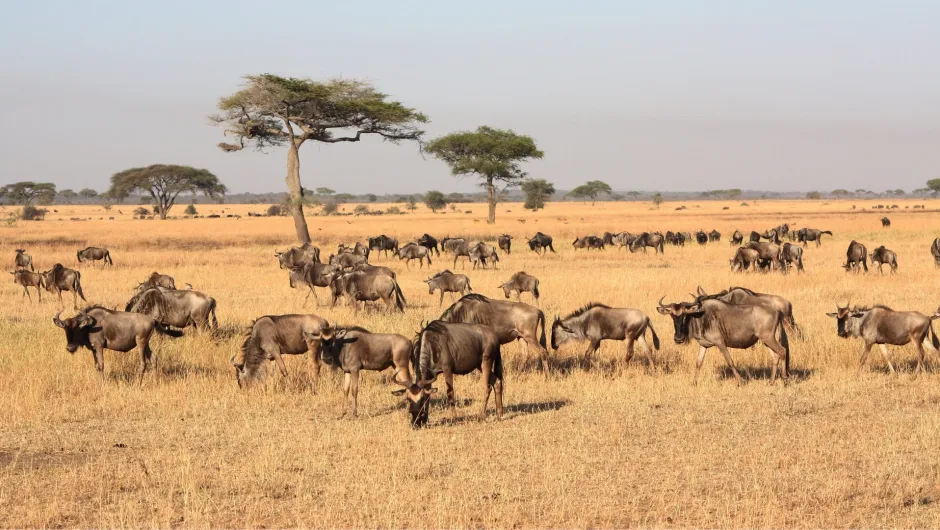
(797, 375)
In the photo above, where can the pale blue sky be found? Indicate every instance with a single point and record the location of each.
(675, 96)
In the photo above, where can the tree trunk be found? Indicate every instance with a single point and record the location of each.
(491, 199)
(296, 193)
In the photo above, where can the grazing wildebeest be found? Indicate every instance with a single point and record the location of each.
(179, 309)
(883, 256)
(59, 278)
(270, 337)
(714, 235)
(791, 254)
(298, 256)
(541, 243)
(722, 325)
(701, 237)
(588, 242)
(23, 260)
(744, 296)
(449, 282)
(29, 279)
(881, 325)
(935, 252)
(772, 235)
(97, 329)
(670, 238)
(504, 242)
(805, 235)
(94, 254)
(647, 239)
(885, 222)
(754, 237)
(765, 250)
(743, 258)
(521, 282)
(358, 286)
(510, 320)
(313, 275)
(430, 243)
(856, 253)
(413, 251)
(383, 243)
(482, 252)
(347, 261)
(596, 322)
(458, 246)
(452, 349)
(157, 280)
(353, 349)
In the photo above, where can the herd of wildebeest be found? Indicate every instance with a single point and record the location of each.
(468, 335)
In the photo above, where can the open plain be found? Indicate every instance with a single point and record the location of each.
(599, 444)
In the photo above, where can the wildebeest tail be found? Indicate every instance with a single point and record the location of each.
(535, 290)
(107, 258)
(785, 342)
(77, 285)
(468, 285)
(163, 329)
(542, 336)
(399, 298)
(215, 321)
(429, 257)
(933, 337)
(550, 247)
(649, 324)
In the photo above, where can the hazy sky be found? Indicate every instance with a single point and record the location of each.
(672, 95)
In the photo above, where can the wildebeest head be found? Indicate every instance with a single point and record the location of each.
(682, 313)
(285, 259)
(560, 333)
(418, 397)
(76, 330)
(331, 341)
(844, 316)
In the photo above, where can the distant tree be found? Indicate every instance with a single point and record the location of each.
(454, 198)
(330, 207)
(165, 183)
(899, 192)
(325, 191)
(343, 198)
(634, 194)
(191, 209)
(88, 193)
(140, 211)
(921, 191)
(371, 197)
(814, 195)
(537, 193)
(67, 195)
(411, 203)
(27, 193)
(271, 110)
(934, 186)
(839, 193)
(657, 199)
(493, 155)
(733, 193)
(592, 189)
(361, 209)
(435, 200)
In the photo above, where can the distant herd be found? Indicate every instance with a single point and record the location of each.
(468, 335)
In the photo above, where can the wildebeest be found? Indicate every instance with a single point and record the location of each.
(157, 280)
(452, 349)
(765, 250)
(791, 254)
(375, 269)
(521, 282)
(588, 242)
(430, 243)
(383, 243)
(754, 237)
(449, 282)
(670, 237)
(885, 222)
(413, 251)
(883, 256)
(94, 254)
(97, 329)
(458, 246)
(744, 296)
(270, 337)
(596, 322)
(935, 252)
(481, 252)
(743, 258)
(59, 278)
(179, 309)
(882, 325)
(772, 235)
(541, 243)
(701, 237)
(856, 253)
(29, 279)
(714, 323)
(805, 235)
(510, 320)
(504, 242)
(359, 248)
(23, 260)
(647, 239)
(347, 261)
(353, 349)
(298, 256)
(313, 275)
(358, 286)
(714, 235)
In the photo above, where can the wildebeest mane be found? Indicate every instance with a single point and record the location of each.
(443, 272)
(150, 300)
(457, 309)
(428, 344)
(584, 309)
(745, 289)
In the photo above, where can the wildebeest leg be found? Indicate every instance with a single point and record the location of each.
(646, 346)
(629, 347)
(307, 297)
(75, 299)
(26, 294)
(921, 355)
(591, 348)
(777, 353)
(864, 357)
(143, 344)
(353, 379)
(276, 353)
(451, 396)
(727, 355)
(884, 352)
(486, 377)
(99, 360)
(441, 302)
(698, 363)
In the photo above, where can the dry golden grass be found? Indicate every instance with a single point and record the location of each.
(605, 445)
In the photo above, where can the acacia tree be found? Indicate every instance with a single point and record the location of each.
(27, 193)
(658, 199)
(537, 193)
(273, 111)
(88, 193)
(67, 195)
(165, 183)
(592, 189)
(435, 200)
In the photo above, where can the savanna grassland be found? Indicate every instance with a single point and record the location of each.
(593, 445)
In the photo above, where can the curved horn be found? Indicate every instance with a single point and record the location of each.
(661, 302)
(425, 383)
(701, 291)
(399, 383)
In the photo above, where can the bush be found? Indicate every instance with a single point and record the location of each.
(329, 208)
(141, 212)
(393, 210)
(31, 213)
(276, 210)
(361, 209)
(191, 210)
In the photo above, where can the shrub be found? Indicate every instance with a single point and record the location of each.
(31, 213)
(329, 208)
(393, 210)
(361, 209)
(191, 210)
(275, 210)
(141, 212)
